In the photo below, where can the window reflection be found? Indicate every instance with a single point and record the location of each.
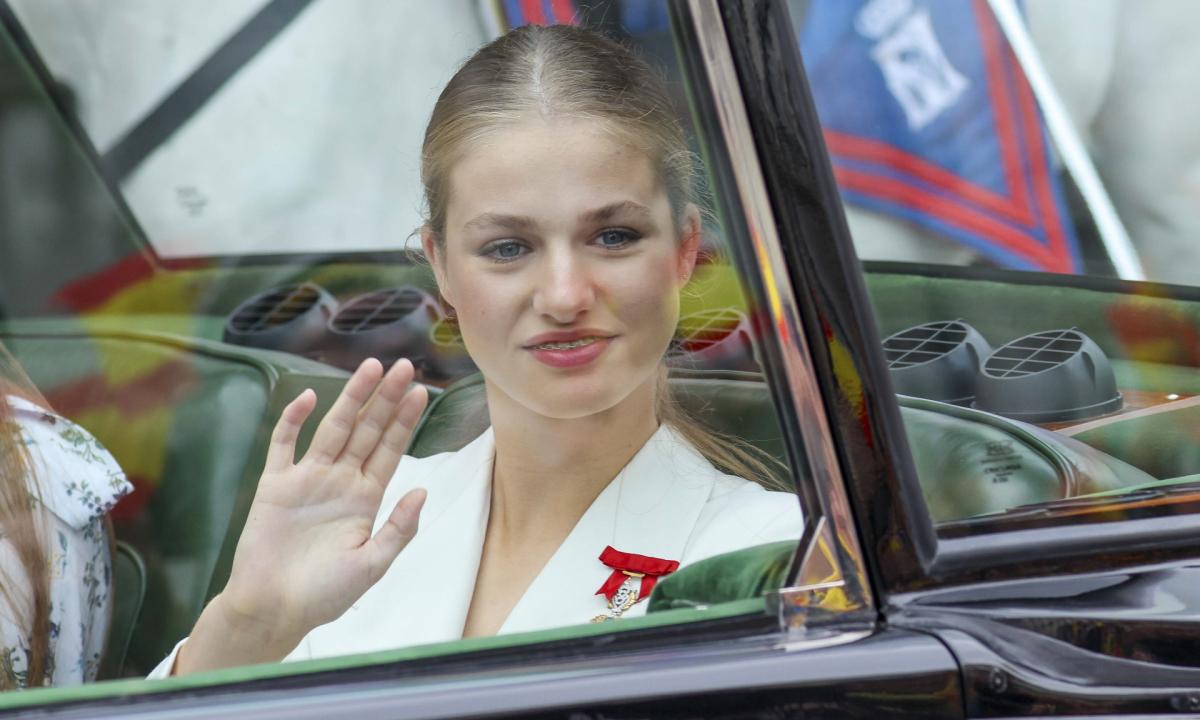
(966, 139)
(185, 276)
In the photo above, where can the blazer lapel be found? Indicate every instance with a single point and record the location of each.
(650, 508)
(425, 594)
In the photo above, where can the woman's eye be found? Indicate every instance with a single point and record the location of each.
(615, 239)
(505, 250)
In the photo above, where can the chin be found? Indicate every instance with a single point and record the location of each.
(573, 398)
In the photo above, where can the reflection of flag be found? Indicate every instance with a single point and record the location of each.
(539, 12)
(929, 117)
(128, 398)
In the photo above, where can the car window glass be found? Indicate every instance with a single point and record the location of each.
(212, 207)
(1021, 182)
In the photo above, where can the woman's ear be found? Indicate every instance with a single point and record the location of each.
(434, 254)
(689, 243)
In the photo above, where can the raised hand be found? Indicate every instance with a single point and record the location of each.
(306, 552)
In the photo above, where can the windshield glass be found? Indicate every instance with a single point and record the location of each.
(258, 128)
(1023, 183)
(212, 213)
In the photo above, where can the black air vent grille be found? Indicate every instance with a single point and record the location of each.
(923, 343)
(275, 308)
(374, 309)
(1034, 353)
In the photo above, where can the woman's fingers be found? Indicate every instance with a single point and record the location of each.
(338, 423)
(282, 451)
(382, 463)
(374, 419)
(400, 528)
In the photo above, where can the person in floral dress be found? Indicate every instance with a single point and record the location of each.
(56, 485)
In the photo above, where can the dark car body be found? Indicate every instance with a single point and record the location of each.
(1032, 612)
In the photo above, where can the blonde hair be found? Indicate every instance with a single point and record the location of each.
(28, 601)
(566, 71)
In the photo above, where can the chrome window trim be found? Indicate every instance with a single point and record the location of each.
(796, 603)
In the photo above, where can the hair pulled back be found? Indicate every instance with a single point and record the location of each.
(562, 71)
(550, 72)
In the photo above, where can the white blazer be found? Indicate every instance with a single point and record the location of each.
(669, 502)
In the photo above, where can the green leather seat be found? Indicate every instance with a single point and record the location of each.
(969, 462)
(732, 403)
(188, 421)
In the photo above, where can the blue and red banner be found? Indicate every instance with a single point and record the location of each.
(539, 12)
(928, 116)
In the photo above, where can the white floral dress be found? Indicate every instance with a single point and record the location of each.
(79, 481)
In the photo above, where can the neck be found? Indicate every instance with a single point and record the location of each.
(548, 471)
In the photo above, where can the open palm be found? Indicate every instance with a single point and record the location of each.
(307, 551)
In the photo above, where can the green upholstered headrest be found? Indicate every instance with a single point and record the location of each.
(737, 575)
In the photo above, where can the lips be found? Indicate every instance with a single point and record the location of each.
(569, 348)
(567, 337)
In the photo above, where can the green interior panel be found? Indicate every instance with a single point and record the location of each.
(973, 463)
(1164, 444)
(1187, 483)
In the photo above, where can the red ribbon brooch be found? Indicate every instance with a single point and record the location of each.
(622, 588)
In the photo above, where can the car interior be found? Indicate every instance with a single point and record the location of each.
(182, 367)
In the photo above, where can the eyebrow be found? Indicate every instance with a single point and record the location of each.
(518, 223)
(523, 223)
(608, 212)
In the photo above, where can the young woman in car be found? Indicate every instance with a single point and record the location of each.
(561, 230)
(56, 484)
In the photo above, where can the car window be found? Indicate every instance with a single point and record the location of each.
(211, 209)
(1022, 188)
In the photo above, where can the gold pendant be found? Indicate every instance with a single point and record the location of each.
(624, 598)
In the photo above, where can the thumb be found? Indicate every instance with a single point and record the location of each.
(400, 528)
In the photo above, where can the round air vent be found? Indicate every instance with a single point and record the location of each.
(937, 360)
(1050, 376)
(291, 319)
(385, 324)
(382, 307)
(717, 339)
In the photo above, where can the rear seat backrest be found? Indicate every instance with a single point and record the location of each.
(188, 421)
(968, 462)
(732, 403)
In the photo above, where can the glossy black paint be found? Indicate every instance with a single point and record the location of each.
(755, 677)
(894, 527)
(1121, 642)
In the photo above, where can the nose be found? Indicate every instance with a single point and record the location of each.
(566, 290)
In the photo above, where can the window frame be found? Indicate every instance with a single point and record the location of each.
(794, 387)
(847, 353)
